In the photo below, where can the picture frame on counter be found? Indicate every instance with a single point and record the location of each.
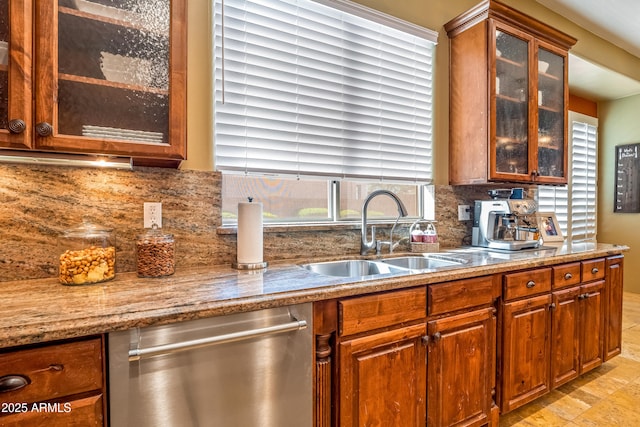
(549, 227)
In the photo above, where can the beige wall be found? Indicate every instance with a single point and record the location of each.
(618, 124)
(430, 14)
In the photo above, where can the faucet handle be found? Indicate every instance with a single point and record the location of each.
(379, 244)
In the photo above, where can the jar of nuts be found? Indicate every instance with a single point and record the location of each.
(155, 254)
(88, 255)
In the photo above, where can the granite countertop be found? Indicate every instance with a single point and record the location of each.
(41, 310)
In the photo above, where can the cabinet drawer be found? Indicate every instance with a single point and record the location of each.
(53, 371)
(593, 269)
(566, 275)
(86, 412)
(527, 283)
(460, 294)
(371, 312)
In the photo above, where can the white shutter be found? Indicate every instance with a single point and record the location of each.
(306, 89)
(583, 181)
(575, 204)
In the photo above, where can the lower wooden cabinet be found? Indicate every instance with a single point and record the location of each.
(457, 353)
(59, 384)
(461, 369)
(577, 331)
(382, 378)
(613, 307)
(525, 352)
(412, 357)
(560, 325)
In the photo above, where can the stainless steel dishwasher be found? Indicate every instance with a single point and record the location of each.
(244, 369)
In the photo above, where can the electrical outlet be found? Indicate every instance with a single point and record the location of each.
(464, 213)
(152, 214)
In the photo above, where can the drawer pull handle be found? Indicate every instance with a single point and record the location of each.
(568, 276)
(531, 284)
(594, 270)
(13, 382)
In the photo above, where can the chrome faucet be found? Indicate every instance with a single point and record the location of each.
(365, 244)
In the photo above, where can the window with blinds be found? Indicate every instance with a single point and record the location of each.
(307, 89)
(575, 204)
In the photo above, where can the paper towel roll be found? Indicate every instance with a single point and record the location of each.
(249, 233)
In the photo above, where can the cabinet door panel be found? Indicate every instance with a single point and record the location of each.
(15, 74)
(383, 379)
(551, 114)
(525, 351)
(565, 345)
(613, 315)
(592, 317)
(461, 368)
(103, 78)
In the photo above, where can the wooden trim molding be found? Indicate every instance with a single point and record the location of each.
(583, 106)
(323, 380)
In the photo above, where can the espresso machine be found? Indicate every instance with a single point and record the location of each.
(508, 224)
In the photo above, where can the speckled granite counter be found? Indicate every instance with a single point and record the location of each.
(43, 310)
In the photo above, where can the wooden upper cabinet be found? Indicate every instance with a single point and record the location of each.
(103, 79)
(15, 74)
(508, 98)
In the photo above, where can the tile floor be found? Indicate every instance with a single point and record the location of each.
(607, 396)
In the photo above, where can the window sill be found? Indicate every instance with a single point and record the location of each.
(304, 227)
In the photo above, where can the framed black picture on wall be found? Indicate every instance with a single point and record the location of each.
(627, 181)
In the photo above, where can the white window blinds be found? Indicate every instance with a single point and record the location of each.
(575, 204)
(306, 89)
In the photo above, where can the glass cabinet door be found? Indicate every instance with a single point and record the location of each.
(104, 76)
(511, 104)
(551, 116)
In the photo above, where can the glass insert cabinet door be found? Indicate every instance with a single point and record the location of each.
(511, 104)
(551, 113)
(103, 81)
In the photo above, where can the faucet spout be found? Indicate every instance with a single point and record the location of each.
(365, 243)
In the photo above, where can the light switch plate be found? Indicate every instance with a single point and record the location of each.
(464, 213)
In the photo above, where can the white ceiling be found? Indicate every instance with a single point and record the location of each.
(613, 20)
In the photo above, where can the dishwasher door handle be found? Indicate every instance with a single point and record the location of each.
(143, 353)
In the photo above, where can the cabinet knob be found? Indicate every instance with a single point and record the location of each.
(44, 129)
(437, 336)
(531, 284)
(13, 382)
(568, 276)
(594, 270)
(17, 126)
(425, 339)
(552, 306)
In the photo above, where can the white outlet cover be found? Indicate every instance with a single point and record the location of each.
(152, 214)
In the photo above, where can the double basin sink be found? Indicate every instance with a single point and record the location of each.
(402, 265)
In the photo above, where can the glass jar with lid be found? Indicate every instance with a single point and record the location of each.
(88, 254)
(155, 254)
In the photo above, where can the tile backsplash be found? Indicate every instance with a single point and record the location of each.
(38, 202)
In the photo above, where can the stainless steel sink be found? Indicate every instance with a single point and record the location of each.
(421, 262)
(354, 268)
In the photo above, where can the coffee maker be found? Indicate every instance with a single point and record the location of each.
(507, 224)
